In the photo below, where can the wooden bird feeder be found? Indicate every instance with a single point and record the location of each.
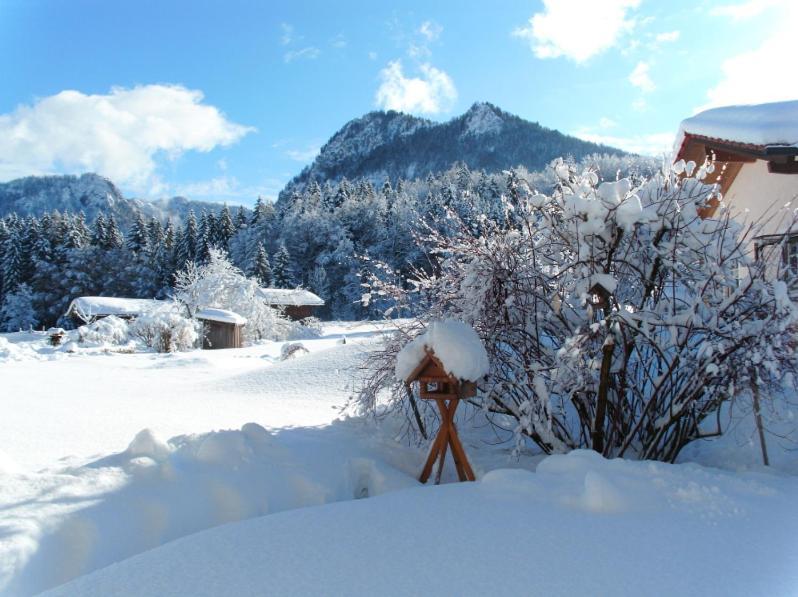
(446, 390)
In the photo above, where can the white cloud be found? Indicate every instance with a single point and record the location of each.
(606, 123)
(118, 135)
(303, 155)
(224, 188)
(430, 30)
(667, 36)
(288, 34)
(640, 77)
(654, 144)
(308, 53)
(427, 33)
(430, 93)
(339, 41)
(372, 55)
(576, 29)
(745, 10)
(759, 75)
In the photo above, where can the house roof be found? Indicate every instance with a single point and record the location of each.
(88, 307)
(290, 297)
(220, 315)
(763, 128)
(737, 135)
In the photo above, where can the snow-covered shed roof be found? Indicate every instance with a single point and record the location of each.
(455, 344)
(88, 307)
(220, 315)
(290, 297)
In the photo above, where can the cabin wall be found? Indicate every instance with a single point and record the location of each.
(297, 312)
(221, 335)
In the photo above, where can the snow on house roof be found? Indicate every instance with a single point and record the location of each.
(87, 307)
(290, 297)
(760, 125)
(221, 315)
(455, 344)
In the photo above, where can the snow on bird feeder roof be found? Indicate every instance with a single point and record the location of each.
(455, 344)
(761, 125)
(220, 315)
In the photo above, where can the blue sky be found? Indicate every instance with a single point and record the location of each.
(229, 100)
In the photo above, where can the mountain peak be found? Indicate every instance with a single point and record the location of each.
(394, 145)
(483, 118)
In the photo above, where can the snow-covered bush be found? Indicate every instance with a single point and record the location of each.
(615, 317)
(166, 330)
(221, 285)
(109, 330)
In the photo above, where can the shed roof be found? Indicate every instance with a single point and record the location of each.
(87, 307)
(220, 315)
(290, 297)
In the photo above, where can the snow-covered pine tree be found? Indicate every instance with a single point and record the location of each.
(226, 228)
(113, 236)
(262, 270)
(282, 272)
(138, 235)
(100, 231)
(12, 261)
(189, 241)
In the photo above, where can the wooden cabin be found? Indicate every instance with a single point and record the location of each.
(221, 328)
(296, 303)
(86, 309)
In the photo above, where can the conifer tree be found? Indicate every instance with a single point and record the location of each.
(113, 236)
(282, 273)
(138, 236)
(189, 241)
(262, 270)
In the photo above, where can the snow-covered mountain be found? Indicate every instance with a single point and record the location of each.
(393, 145)
(90, 194)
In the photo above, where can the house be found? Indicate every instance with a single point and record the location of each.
(222, 329)
(86, 309)
(755, 148)
(296, 303)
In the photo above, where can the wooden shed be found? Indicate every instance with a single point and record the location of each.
(86, 309)
(296, 303)
(221, 328)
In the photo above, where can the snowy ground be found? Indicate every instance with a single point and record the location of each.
(85, 494)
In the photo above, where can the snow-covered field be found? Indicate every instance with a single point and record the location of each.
(257, 491)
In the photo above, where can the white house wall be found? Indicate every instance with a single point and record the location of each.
(756, 195)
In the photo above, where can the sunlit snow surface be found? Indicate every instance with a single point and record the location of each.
(93, 491)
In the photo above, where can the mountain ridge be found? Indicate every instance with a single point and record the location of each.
(90, 194)
(390, 144)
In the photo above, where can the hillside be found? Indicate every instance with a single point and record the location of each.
(91, 194)
(393, 145)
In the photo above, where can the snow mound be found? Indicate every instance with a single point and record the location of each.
(454, 343)
(679, 530)
(155, 492)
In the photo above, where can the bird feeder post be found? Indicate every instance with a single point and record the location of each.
(447, 391)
